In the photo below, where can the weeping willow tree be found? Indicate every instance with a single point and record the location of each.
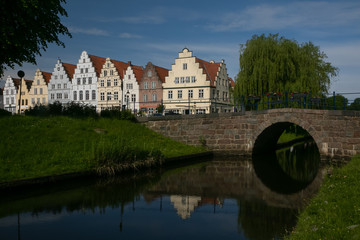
(276, 64)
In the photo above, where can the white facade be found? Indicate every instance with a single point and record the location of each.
(131, 87)
(9, 95)
(84, 81)
(60, 85)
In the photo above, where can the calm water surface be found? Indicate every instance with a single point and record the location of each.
(223, 198)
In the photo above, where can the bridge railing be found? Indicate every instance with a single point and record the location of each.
(308, 100)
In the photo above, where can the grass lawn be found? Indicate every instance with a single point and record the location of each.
(35, 147)
(334, 213)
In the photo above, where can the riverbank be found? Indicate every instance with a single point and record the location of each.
(34, 147)
(334, 213)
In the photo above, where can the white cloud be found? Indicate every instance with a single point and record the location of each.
(89, 31)
(129, 35)
(135, 20)
(346, 54)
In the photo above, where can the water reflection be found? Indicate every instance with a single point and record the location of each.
(289, 169)
(217, 199)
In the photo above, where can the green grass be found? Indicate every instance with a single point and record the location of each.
(34, 147)
(334, 213)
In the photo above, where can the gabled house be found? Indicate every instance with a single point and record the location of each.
(11, 94)
(131, 80)
(85, 78)
(195, 86)
(39, 89)
(109, 84)
(60, 85)
(151, 92)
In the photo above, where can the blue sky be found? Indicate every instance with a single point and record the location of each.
(141, 31)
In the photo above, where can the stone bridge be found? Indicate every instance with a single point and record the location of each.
(336, 132)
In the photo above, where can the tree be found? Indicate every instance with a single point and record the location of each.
(27, 26)
(355, 105)
(276, 64)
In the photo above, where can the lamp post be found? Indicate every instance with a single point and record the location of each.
(21, 74)
(127, 99)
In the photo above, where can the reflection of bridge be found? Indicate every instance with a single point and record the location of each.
(336, 133)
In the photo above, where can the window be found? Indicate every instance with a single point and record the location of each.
(153, 85)
(146, 85)
(93, 95)
(87, 94)
(12, 100)
(193, 79)
(176, 80)
(105, 73)
(187, 79)
(58, 68)
(86, 70)
(151, 111)
(84, 80)
(12, 92)
(217, 94)
(184, 66)
(190, 93)
(7, 101)
(32, 101)
(90, 80)
(37, 101)
(38, 81)
(41, 91)
(65, 85)
(102, 83)
(107, 64)
(170, 94)
(111, 72)
(108, 83)
(7, 92)
(58, 96)
(129, 86)
(35, 91)
(81, 70)
(84, 60)
(80, 95)
(182, 80)
(154, 97)
(145, 98)
(115, 82)
(75, 96)
(116, 95)
(133, 97)
(102, 96)
(61, 76)
(201, 93)
(179, 94)
(66, 96)
(129, 76)
(149, 73)
(52, 96)
(59, 86)
(108, 96)
(200, 111)
(78, 81)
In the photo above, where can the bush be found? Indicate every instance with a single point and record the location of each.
(4, 113)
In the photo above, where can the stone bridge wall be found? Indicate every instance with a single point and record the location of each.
(336, 133)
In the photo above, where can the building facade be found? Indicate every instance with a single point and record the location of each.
(131, 87)
(151, 92)
(109, 84)
(23, 95)
(84, 81)
(9, 94)
(60, 85)
(195, 86)
(38, 94)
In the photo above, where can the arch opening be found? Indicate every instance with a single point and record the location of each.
(289, 165)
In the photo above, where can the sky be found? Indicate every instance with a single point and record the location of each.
(141, 31)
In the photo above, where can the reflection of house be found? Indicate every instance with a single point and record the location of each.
(151, 88)
(195, 86)
(39, 89)
(185, 205)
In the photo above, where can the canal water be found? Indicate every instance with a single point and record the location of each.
(221, 198)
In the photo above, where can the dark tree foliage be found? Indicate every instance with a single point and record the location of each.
(355, 105)
(276, 64)
(27, 27)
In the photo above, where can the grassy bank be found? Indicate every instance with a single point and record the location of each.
(34, 147)
(334, 213)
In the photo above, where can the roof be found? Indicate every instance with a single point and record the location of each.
(162, 73)
(17, 83)
(120, 67)
(47, 77)
(138, 71)
(98, 63)
(69, 69)
(210, 69)
(232, 83)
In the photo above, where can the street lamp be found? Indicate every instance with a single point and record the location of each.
(127, 98)
(21, 74)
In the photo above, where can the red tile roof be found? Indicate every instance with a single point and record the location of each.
(98, 63)
(138, 71)
(47, 77)
(232, 83)
(162, 73)
(120, 67)
(69, 69)
(209, 69)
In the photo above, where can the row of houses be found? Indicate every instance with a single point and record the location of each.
(192, 86)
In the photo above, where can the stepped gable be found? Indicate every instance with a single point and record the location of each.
(162, 73)
(69, 69)
(210, 69)
(138, 71)
(120, 67)
(47, 77)
(17, 83)
(98, 63)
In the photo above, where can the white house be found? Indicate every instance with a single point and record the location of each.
(60, 85)
(84, 81)
(131, 87)
(9, 94)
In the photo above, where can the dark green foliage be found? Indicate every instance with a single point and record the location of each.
(27, 27)
(340, 102)
(355, 105)
(117, 114)
(276, 64)
(4, 113)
